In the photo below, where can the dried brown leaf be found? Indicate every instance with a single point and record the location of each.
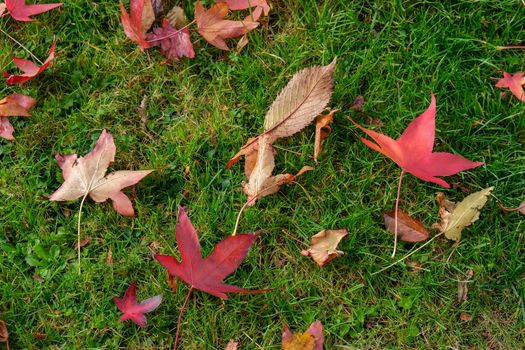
(323, 246)
(463, 316)
(82, 243)
(456, 216)
(141, 110)
(304, 97)
(463, 287)
(322, 130)
(409, 229)
(358, 103)
(172, 282)
(176, 17)
(109, 258)
(520, 208)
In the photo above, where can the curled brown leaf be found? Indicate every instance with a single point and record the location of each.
(409, 229)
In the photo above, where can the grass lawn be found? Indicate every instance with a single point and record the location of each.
(200, 112)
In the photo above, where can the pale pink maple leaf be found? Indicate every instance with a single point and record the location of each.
(514, 83)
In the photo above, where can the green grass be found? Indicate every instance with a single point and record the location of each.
(200, 112)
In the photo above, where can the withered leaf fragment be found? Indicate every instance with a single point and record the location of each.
(312, 339)
(215, 29)
(322, 130)
(4, 334)
(232, 345)
(87, 176)
(456, 216)
(463, 287)
(323, 246)
(409, 229)
(13, 105)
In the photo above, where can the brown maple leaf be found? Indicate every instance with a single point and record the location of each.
(87, 176)
(214, 28)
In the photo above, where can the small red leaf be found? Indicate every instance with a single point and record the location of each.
(22, 12)
(514, 83)
(29, 68)
(135, 311)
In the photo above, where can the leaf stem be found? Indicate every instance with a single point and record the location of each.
(248, 202)
(408, 255)
(396, 209)
(22, 46)
(172, 34)
(180, 318)
(78, 228)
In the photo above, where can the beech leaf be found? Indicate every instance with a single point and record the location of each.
(13, 105)
(138, 21)
(87, 176)
(456, 216)
(29, 68)
(215, 29)
(207, 274)
(409, 229)
(19, 10)
(135, 311)
(323, 246)
(412, 151)
(312, 339)
(514, 83)
(173, 43)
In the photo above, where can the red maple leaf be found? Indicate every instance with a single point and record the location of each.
(135, 311)
(514, 83)
(214, 28)
(29, 68)
(137, 23)
(207, 274)
(260, 6)
(22, 12)
(173, 43)
(413, 150)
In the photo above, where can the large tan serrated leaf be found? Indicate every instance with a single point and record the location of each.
(456, 216)
(305, 96)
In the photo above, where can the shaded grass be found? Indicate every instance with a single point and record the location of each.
(200, 112)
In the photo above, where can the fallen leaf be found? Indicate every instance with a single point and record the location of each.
(207, 274)
(176, 17)
(172, 282)
(416, 267)
(38, 278)
(243, 41)
(304, 98)
(456, 216)
(2, 8)
(312, 339)
(413, 150)
(29, 68)
(135, 311)
(4, 334)
(173, 43)
(13, 105)
(232, 345)
(109, 258)
(261, 6)
(322, 130)
(138, 22)
(214, 28)
(22, 12)
(82, 243)
(463, 316)
(40, 336)
(141, 110)
(463, 287)
(409, 229)
(514, 83)
(87, 176)
(323, 246)
(358, 103)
